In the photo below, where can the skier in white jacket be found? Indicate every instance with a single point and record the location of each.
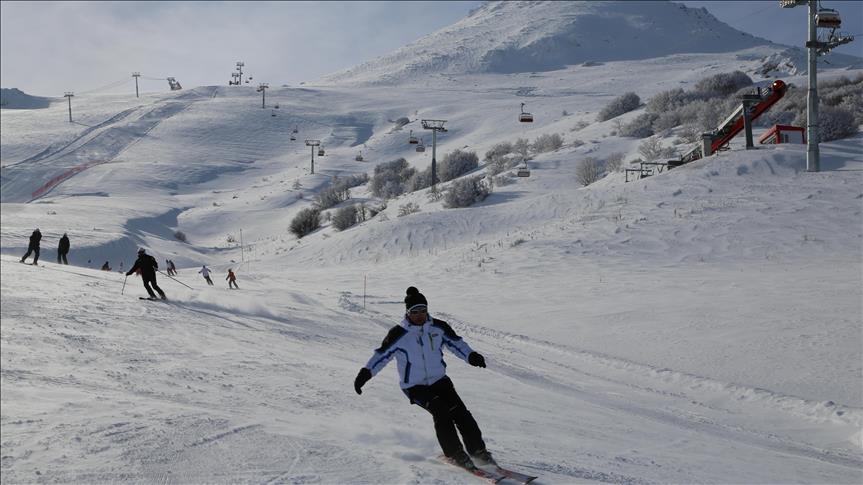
(206, 272)
(417, 344)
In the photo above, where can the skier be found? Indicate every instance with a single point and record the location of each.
(63, 249)
(33, 247)
(147, 265)
(172, 267)
(232, 279)
(106, 267)
(417, 344)
(206, 272)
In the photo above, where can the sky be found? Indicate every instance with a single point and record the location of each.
(48, 48)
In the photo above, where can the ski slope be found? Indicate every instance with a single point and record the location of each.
(699, 326)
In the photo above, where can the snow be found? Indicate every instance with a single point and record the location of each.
(699, 326)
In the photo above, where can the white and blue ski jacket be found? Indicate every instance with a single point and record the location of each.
(418, 350)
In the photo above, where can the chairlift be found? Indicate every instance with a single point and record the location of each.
(421, 147)
(272, 113)
(522, 170)
(359, 157)
(293, 138)
(412, 139)
(295, 130)
(827, 18)
(276, 106)
(321, 151)
(525, 117)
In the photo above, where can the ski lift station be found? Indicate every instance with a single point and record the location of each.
(779, 134)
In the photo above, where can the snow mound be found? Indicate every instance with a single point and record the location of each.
(511, 37)
(14, 98)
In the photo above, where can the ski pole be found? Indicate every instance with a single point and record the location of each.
(124, 284)
(178, 281)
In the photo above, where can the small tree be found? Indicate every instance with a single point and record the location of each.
(465, 192)
(456, 164)
(588, 171)
(547, 143)
(618, 106)
(345, 217)
(306, 221)
(614, 161)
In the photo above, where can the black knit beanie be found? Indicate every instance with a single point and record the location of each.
(414, 298)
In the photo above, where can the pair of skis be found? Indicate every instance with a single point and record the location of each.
(493, 473)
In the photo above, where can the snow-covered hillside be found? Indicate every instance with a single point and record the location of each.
(702, 325)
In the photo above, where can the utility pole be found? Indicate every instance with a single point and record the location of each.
(136, 75)
(435, 126)
(240, 65)
(262, 88)
(313, 144)
(68, 96)
(813, 155)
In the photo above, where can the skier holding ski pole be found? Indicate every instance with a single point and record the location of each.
(417, 344)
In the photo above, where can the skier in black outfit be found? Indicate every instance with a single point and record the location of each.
(148, 266)
(417, 344)
(33, 247)
(63, 249)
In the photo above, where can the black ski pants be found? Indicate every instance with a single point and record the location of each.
(35, 251)
(61, 258)
(449, 412)
(148, 282)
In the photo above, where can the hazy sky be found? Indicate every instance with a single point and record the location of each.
(47, 48)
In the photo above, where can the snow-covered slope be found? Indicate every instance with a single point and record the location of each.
(698, 326)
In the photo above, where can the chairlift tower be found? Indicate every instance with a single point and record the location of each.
(313, 144)
(240, 65)
(136, 75)
(827, 19)
(262, 88)
(68, 96)
(435, 126)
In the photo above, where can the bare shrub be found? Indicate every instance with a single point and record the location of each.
(652, 149)
(465, 192)
(640, 127)
(666, 101)
(306, 221)
(614, 162)
(522, 147)
(409, 208)
(588, 171)
(498, 151)
(390, 178)
(618, 106)
(345, 217)
(180, 236)
(834, 123)
(457, 163)
(547, 143)
(723, 84)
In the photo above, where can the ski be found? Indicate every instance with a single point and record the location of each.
(151, 299)
(512, 474)
(486, 475)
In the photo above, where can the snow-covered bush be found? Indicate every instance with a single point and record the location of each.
(457, 163)
(522, 147)
(390, 178)
(666, 101)
(306, 221)
(498, 151)
(723, 84)
(419, 180)
(666, 121)
(399, 123)
(409, 208)
(465, 192)
(618, 106)
(547, 143)
(181, 236)
(345, 217)
(640, 127)
(834, 123)
(614, 162)
(652, 149)
(331, 196)
(503, 180)
(588, 171)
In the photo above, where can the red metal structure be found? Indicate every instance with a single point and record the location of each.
(783, 134)
(733, 125)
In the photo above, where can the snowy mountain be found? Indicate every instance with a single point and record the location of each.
(13, 98)
(701, 325)
(510, 37)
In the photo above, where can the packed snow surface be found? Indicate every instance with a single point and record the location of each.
(702, 325)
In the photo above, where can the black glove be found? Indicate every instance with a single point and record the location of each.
(476, 360)
(361, 379)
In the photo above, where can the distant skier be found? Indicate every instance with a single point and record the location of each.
(147, 265)
(172, 267)
(232, 279)
(417, 344)
(206, 272)
(106, 267)
(63, 249)
(33, 247)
